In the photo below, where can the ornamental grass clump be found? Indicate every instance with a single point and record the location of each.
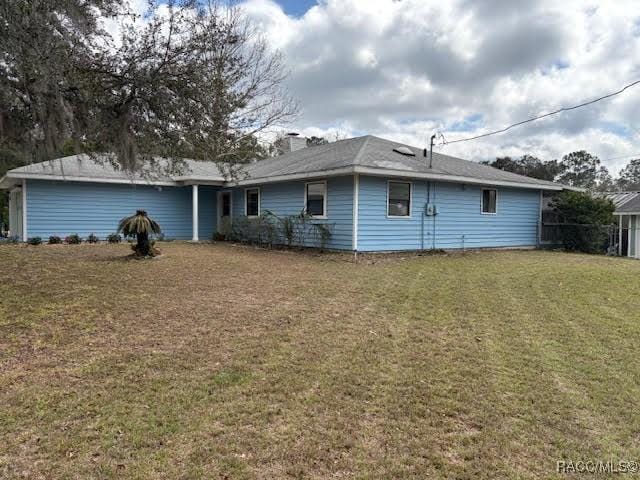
(141, 227)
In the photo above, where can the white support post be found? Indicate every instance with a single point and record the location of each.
(356, 195)
(24, 210)
(620, 236)
(195, 212)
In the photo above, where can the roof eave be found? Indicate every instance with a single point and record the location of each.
(67, 178)
(200, 180)
(7, 182)
(395, 173)
(455, 178)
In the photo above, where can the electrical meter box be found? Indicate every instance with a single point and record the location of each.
(431, 210)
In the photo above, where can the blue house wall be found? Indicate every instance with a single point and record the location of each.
(287, 198)
(63, 208)
(458, 224)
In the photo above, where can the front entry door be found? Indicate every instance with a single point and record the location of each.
(224, 213)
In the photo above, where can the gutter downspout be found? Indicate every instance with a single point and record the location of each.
(24, 211)
(356, 202)
(539, 239)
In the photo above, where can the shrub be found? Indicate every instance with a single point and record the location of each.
(114, 238)
(141, 226)
(292, 230)
(586, 219)
(93, 238)
(10, 240)
(54, 240)
(34, 241)
(260, 230)
(322, 232)
(73, 239)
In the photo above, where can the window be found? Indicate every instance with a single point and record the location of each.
(252, 202)
(399, 199)
(489, 201)
(315, 200)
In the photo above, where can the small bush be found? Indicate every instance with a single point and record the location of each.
(93, 238)
(73, 239)
(34, 241)
(161, 237)
(114, 238)
(54, 240)
(585, 220)
(10, 240)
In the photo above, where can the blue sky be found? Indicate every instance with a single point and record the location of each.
(296, 8)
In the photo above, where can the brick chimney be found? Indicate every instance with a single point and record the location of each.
(291, 142)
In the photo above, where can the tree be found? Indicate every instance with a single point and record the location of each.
(630, 176)
(581, 169)
(41, 44)
(527, 165)
(9, 159)
(186, 79)
(313, 141)
(141, 227)
(604, 181)
(586, 219)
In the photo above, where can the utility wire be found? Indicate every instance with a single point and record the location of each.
(635, 155)
(563, 109)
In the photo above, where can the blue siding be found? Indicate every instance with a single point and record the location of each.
(458, 224)
(62, 208)
(287, 198)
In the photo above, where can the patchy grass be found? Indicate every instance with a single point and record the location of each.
(219, 361)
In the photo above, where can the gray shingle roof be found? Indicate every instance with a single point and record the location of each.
(100, 167)
(367, 154)
(377, 153)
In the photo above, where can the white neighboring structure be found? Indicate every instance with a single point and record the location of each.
(16, 213)
(628, 213)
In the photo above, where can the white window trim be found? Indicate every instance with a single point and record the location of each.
(399, 217)
(324, 203)
(482, 201)
(246, 196)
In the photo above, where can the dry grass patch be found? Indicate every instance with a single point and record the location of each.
(229, 362)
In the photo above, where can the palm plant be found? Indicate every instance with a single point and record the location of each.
(141, 227)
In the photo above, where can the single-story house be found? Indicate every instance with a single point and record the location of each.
(628, 212)
(375, 194)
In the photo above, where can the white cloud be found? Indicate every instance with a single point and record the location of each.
(402, 69)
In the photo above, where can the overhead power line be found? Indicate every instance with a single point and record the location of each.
(560, 110)
(622, 157)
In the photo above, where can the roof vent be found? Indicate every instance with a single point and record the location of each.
(404, 151)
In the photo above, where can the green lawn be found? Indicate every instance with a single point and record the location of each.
(220, 361)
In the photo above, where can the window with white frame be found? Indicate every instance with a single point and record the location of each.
(252, 202)
(489, 200)
(398, 199)
(315, 200)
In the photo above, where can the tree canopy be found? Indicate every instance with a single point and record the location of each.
(529, 166)
(185, 79)
(629, 178)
